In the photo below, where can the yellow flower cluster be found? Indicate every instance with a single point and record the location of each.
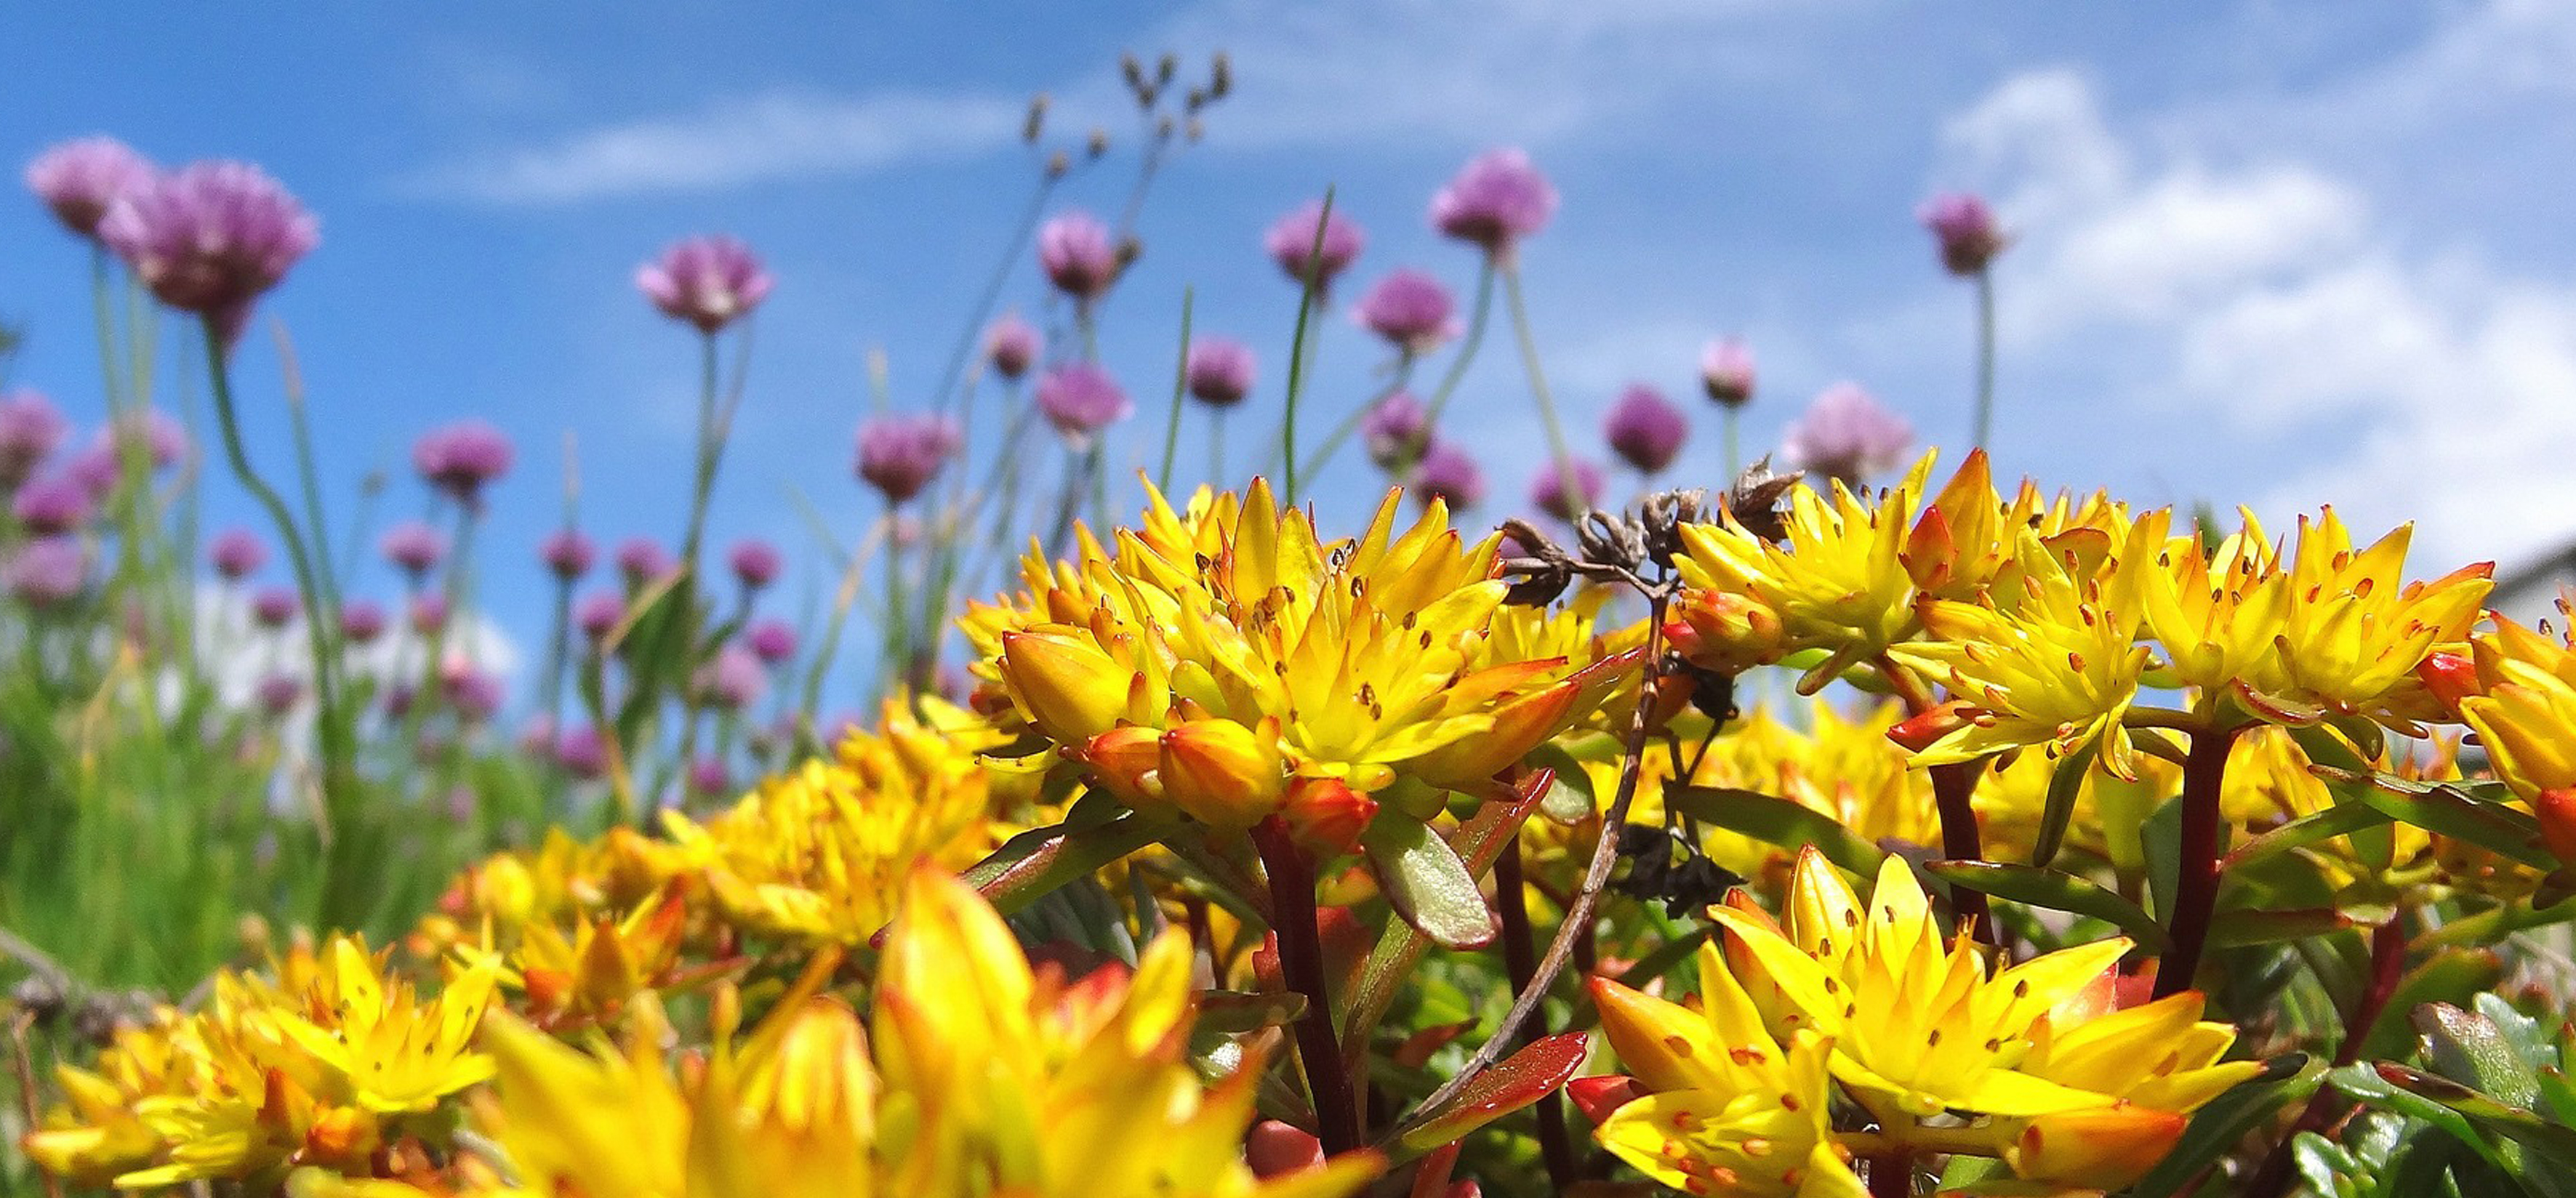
(1229, 664)
(976, 1077)
(1939, 1050)
(325, 1063)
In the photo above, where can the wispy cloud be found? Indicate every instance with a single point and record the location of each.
(734, 142)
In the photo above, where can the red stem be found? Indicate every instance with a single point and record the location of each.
(2196, 890)
(1952, 789)
(2387, 969)
(1520, 960)
(1301, 958)
(1891, 1174)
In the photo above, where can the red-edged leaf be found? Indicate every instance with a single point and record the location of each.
(1514, 1082)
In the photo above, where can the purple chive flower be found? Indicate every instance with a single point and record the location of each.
(236, 553)
(96, 468)
(1494, 201)
(1547, 490)
(1847, 435)
(734, 680)
(1966, 229)
(165, 440)
(53, 505)
(1291, 243)
(361, 621)
(642, 561)
(80, 179)
(474, 694)
(1447, 474)
(1219, 371)
(277, 694)
(1410, 309)
(46, 573)
(581, 752)
(1080, 399)
(1645, 429)
(461, 458)
(755, 563)
(1076, 252)
(1726, 372)
(567, 553)
(275, 607)
(428, 613)
(413, 547)
(1396, 431)
(210, 237)
(709, 282)
(772, 641)
(31, 428)
(899, 455)
(397, 700)
(708, 777)
(598, 613)
(1011, 345)
(537, 736)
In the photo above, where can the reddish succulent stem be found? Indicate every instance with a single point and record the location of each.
(1891, 1175)
(1520, 960)
(1953, 790)
(1301, 958)
(2196, 890)
(2387, 969)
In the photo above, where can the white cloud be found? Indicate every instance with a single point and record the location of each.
(737, 141)
(2332, 362)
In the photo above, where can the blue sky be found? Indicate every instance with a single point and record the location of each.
(2271, 254)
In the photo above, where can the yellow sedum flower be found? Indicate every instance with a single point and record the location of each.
(1838, 584)
(980, 1078)
(1216, 656)
(1728, 1110)
(320, 1067)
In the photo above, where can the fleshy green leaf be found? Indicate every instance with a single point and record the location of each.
(1514, 1082)
(1775, 820)
(1429, 886)
(2219, 1127)
(2240, 929)
(2055, 890)
(1035, 862)
(2064, 784)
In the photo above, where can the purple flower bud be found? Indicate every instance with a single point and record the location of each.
(52, 506)
(1645, 429)
(899, 455)
(755, 563)
(734, 680)
(31, 428)
(1966, 229)
(1447, 474)
(413, 547)
(237, 553)
(1496, 200)
(1076, 252)
(771, 641)
(461, 458)
(537, 736)
(1410, 309)
(164, 441)
(80, 179)
(277, 694)
(1291, 243)
(428, 613)
(1219, 371)
(275, 607)
(1396, 431)
(361, 621)
(598, 613)
(210, 237)
(46, 573)
(1011, 345)
(1847, 435)
(474, 694)
(567, 553)
(1547, 490)
(1726, 372)
(581, 752)
(398, 699)
(1080, 399)
(642, 561)
(96, 469)
(707, 281)
(708, 777)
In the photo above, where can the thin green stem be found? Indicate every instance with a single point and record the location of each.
(1556, 445)
(341, 903)
(1180, 390)
(992, 294)
(1313, 286)
(1482, 308)
(1731, 422)
(1985, 357)
(1351, 422)
(710, 446)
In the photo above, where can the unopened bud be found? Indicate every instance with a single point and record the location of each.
(1035, 125)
